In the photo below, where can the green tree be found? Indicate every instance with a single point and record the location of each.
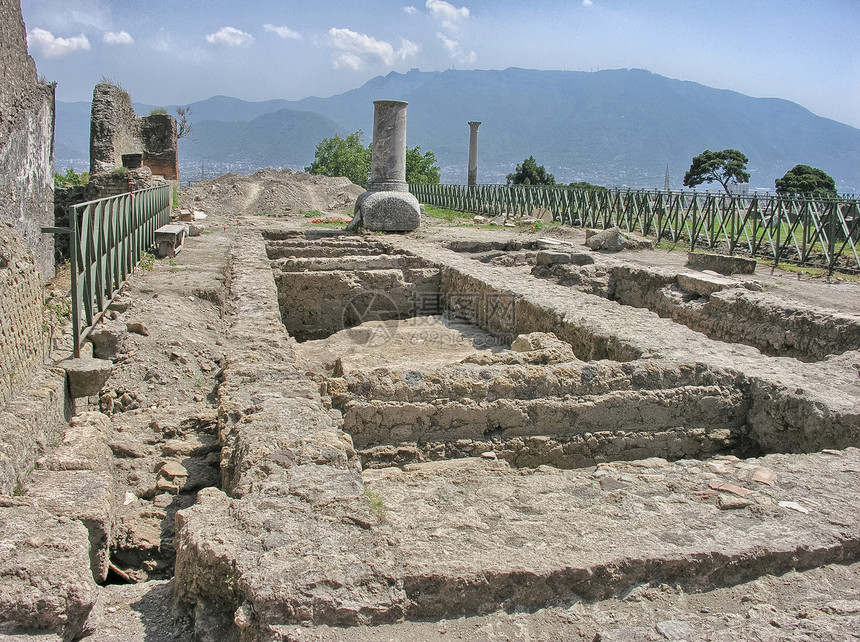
(803, 180)
(725, 167)
(583, 185)
(421, 168)
(530, 173)
(338, 156)
(70, 179)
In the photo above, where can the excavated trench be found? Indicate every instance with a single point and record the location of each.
(727, 310)
(435, 436)
(444, 384)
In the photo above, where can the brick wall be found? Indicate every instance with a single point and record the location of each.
(21, 334)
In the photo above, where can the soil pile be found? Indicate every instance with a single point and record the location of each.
(270, 192)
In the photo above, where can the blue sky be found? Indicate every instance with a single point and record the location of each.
(180, 51)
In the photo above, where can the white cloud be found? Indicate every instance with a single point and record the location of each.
(410, 10)
(118, 38)
(446, 13)
(53, 47)
(358, 49)
(230, 37)
(587, 3)
(455, 50)
(283, 32)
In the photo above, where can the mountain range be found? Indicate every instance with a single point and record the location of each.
(619, 127)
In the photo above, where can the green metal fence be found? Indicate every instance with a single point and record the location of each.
(823, 232)
(108, 239)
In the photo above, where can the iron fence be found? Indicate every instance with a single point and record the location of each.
(821, 232)
(108, 239)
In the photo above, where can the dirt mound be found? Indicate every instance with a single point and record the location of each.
(271, 192)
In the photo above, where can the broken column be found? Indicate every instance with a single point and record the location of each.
(473, 153)
(387, 205)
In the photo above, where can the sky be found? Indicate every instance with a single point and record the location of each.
(167, 52)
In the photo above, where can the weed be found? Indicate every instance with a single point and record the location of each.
(158, 111)
(666, 245)
(147, 261)
(377, 506)
(449, 216)
(176, 202)
(313, 214)
(120, 172)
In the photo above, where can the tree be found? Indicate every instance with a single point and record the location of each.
(583, 185)
(338, 156)
(727, 166)
(530, 173)
(185, 128)
(803, 180)
(421, 169)
(70, 179)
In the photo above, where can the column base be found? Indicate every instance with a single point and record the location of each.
(386, 211)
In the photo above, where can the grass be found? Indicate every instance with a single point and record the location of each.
(147, 261)
(377, 506)
(449, 216)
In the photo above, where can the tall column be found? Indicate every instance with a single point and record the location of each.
(473, 153)
(387, 205)
(388, 152)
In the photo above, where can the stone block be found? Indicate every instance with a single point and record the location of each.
(86, 376)
(615, 239)
(107, 338)
(704, 285)
(46, 586)
(84, 496)
(721, 264)
(387, 212)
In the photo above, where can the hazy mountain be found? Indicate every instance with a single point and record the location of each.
(610, 127)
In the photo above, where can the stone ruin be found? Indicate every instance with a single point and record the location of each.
(325, 435)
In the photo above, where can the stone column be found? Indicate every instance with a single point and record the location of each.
(388, 151)
(473, 153)
(387, 205)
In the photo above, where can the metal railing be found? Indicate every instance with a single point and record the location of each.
(822, 232)
(108, 239)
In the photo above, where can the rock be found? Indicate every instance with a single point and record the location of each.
(553, 349)
(546, 257)
(107, 338)
(195, 229)
(46, 585)
(705, 285)
(721, 264)
(137, 328)
(173, 469)
(731, 502)
(615, 239)
(86, 375)
(674, 630)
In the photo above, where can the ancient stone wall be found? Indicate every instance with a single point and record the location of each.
(160, 142)
(115, 130)
(26, 141)
(21, 341)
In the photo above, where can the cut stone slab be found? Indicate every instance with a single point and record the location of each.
(86, 375)
(386, 212)
(555, 257)
(705, 285)
(721, 264)
(46, 586)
